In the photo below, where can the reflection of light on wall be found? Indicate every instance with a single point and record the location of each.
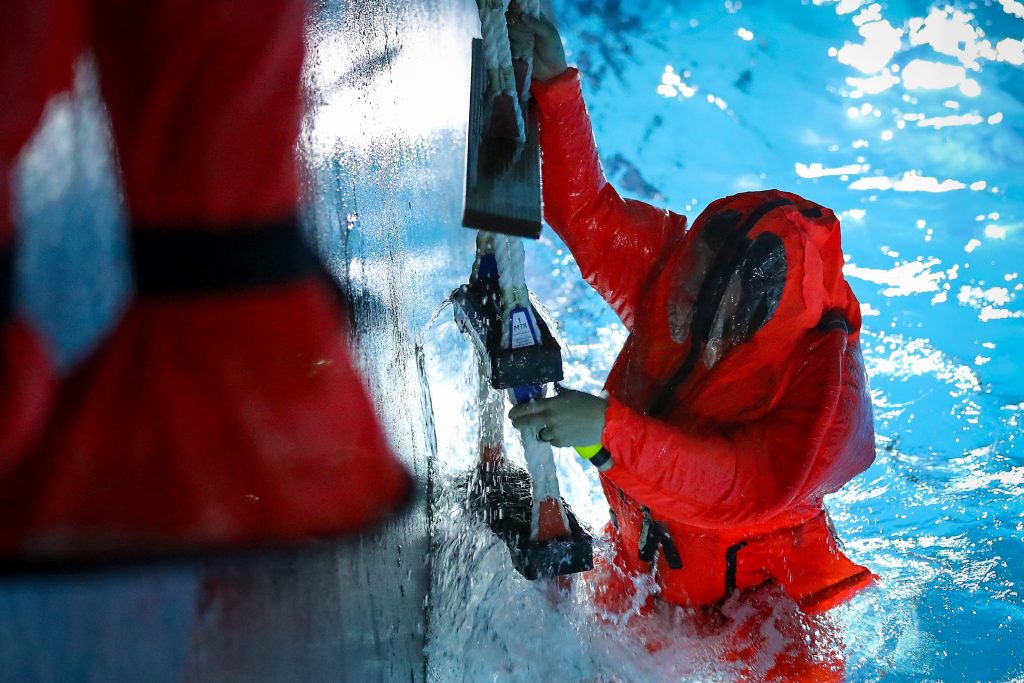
(745, 34)
(817, 170)
(398, 97)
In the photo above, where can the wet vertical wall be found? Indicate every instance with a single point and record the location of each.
(383, 147)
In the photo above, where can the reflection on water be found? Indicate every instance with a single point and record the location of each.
(906, 117)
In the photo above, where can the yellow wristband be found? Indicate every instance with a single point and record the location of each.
(588, 452)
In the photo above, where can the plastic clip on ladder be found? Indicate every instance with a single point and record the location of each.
(518, 353)
(520, 330)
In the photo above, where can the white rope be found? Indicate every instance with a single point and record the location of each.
(540, 460)
(501, 77)
(510, 252)
(531, 7)
(510, 255)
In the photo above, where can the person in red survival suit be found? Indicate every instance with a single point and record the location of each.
(739, 399)
(224, 408)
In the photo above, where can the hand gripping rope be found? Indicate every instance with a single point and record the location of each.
(520, 330)
(517, 350)
(520, 355)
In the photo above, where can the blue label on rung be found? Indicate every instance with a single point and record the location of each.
(522, 331)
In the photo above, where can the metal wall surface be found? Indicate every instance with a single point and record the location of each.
(383, 145)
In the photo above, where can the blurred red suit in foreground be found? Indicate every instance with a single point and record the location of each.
(224, 408)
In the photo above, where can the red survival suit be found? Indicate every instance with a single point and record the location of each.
(224, 407)
(739, 399)
(26, 376)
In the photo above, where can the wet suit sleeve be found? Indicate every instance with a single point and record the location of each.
(815, 440)
(616, 242)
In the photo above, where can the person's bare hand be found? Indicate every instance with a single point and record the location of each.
(548, 53)
(572, 418)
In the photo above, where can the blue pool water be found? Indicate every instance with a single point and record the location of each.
(907, 118)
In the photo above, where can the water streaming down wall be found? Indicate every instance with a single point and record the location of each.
(383, 146)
